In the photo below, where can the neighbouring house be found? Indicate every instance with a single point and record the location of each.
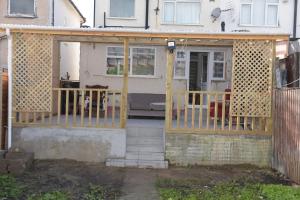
(60, 13)
(207, 65)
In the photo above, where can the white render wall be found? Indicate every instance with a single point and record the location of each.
(231, 18)
(298, 21)
(67, 16)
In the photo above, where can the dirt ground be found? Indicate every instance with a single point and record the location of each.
(75, 177)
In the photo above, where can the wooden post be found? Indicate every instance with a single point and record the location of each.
(169, 79)
(123, 117)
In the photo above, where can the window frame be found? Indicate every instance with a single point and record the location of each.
(175, 12)
(9, 14)
(216, 61)
(185, 66)
(112, 17)
(265, 14)
(130, 62)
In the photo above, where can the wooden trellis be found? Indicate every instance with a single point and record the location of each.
(252, 78)
(32, 72)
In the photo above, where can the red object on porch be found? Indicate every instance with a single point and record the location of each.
(220, 106)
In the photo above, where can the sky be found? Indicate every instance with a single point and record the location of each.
(86, 7)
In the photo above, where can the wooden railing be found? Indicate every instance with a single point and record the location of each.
(209, 112)
(98, 108)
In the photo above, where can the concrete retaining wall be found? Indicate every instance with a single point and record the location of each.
(89, 145)
(191, 149)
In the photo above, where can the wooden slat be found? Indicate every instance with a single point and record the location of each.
(75, 108)
(106, 107)
(223, 111)
(98, 109)
(90, 108)
(82, 109)
(216, 112)
(208, 112)
(178, 109)
(43, 118)
(193, 110)
(58, 107)
(201, 112)
(169, 79)
(186, 103)
(67, 108)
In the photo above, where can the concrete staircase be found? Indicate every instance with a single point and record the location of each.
(144, 149)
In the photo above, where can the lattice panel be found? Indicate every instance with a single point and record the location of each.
(252, 78)
(32, 72)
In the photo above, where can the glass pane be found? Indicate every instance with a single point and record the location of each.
(218, 70)
(187, 13)
(181, 54)
(272, 15)
(259, 12)
(246, 14)
(25, 7)
(219, 56)
(114, 65)
(122, 8)
(143, 61)
(180, 69)
(169, 12)
(115, 51)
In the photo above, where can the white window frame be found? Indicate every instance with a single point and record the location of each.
(112, 17)
(265, 14)
(185, 67)
(216, 61)
(131, 60)
(21, 15)
(175, 10)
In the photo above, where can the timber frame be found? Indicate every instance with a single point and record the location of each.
(159, 38)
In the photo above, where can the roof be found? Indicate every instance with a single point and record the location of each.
(142, 33)
(77, 10)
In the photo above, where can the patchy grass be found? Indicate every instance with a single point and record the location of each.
(97, 192)
(9, 188)
(234, 190)
(56, 195)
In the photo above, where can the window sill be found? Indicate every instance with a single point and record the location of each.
(180, 78)
(167, 24)
(130, 76)
(258, 26)
(218, 79)
(21, 16)
(121, 18)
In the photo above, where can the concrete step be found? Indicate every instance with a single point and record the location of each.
(145, 132)
(156, 164)
(144, 140)
(145, 156)
(145, 148)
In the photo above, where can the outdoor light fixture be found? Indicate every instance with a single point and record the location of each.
(171, 46)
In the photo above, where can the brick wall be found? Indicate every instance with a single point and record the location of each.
(191, 149)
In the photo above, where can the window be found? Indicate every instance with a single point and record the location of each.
(21, 8)
(219, 66)
(180, 65)
(141, 61)
(259, 12)
(122, 8)
(181, 12)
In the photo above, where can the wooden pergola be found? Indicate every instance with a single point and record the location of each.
(241, 43)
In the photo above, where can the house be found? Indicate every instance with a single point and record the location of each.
(215, 73)
(44, 13)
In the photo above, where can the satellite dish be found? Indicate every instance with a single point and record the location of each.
(216, 13)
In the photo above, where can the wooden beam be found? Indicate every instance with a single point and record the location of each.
(147, 34)
(169, 79)
(123, 118)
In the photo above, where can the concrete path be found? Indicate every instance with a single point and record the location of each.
(139, 184)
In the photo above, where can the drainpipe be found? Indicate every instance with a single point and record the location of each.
(9, 66)
(295, 19)
(52, 23)
(147, 15)
(94, 24)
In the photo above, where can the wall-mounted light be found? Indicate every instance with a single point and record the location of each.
(171, 46)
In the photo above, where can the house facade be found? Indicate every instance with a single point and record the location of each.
(206, 66)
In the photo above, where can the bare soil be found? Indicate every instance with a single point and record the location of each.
(75, 177)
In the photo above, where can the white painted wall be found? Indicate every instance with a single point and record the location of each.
(298, 20)
(231, 18)
(67, 16)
